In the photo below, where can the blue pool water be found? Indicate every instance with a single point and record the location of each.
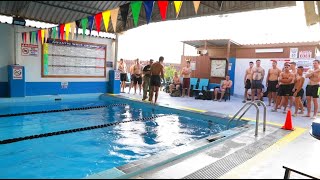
(80, 154)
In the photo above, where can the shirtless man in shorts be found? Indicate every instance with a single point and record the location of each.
(298, 91)
(257, 75)
(272, 82)
(186, 72)
(293, 70)
(137, 76)
(312, 88)
(247, 81)
(285, 89)
(123, 74)
(155, 80)
(226, 84)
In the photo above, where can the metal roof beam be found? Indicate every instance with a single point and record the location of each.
(58, 6)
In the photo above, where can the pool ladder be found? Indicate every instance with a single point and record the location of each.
(248, 106)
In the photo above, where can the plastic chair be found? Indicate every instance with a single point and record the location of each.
(203, 85)
(226, 93)
(193, 82)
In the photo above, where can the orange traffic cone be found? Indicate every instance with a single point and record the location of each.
(288, 124)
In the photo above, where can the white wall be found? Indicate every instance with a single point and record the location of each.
(243, 63)
(6, 50)
(33, 63)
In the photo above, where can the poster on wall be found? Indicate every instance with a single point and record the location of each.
(117, 75)
(29, 49)
(293, 53)
(17, 72)
(305, 54)
(193, 66)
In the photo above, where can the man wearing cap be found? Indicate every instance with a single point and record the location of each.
(146, 80)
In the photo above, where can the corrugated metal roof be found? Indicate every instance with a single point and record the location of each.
(57, 12)
(211, 42)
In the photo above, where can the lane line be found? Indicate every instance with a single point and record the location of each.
(192, 109)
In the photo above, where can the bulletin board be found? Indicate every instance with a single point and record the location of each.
(71, 59)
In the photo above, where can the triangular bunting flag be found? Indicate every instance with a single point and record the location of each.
(36, 37)
(77, 27)
(58, 31)
(42, 36)
(135, 8)
(148, 6)
(97, 18)
(124, 10)
(67, 31)
(163, 6)
(177, 5)
(106, 19)
(31, 37)
(22, 38)
(72, 26)
(196, 6)
(27, 38)
(114, 18)
(61, 30)
(54, 33)
(39, 35)
(84, 23)
(90, 22)
(46, 34)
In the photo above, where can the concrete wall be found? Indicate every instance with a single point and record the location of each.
(35, 84)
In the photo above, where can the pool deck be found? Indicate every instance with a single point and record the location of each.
(295, 149)
(241, 156)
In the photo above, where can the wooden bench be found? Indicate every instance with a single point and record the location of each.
(306, 173)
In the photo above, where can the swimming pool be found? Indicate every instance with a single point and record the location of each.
(83, 153)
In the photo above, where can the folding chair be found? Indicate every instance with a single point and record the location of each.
(203, 85)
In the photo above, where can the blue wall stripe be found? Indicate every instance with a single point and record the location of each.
(53, 88)
(4, 89)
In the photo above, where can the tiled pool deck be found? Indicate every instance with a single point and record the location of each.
(269, 151)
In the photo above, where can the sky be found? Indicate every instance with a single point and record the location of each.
(253, 27)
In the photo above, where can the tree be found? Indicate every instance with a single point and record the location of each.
(169, 72)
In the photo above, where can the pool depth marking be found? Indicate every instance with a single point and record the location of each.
(243, 168)
(192, 109)
(7, 141)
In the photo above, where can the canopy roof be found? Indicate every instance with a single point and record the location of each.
(211, 42)
(59, 12)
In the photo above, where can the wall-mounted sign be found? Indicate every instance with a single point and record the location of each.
(293, 53)
(29, 49)
(117, 75)
(193, 66)
(64, 85)
(305, 54)
(17, 72)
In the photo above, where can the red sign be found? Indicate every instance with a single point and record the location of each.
(29, 50)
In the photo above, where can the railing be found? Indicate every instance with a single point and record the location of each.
(248, 106)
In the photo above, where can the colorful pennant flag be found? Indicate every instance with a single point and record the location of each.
(72, 26)
(39, 35)
(84, 23)
(61, 30)
(67, 26)
(97, 18)
(163, 6)
(148, 6)
(54, 33)
(177, 5)
(26, 38)
(114, 18)
(31, 37)
(196, 5)
(124, 10)
(46, 33)
(90, 22)
(78, 22)
(58, 31)
(106, 19)
(42, 36)
(22, 38)
(36, 37)
(135, 8)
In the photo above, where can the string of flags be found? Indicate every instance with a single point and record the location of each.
(62, 30)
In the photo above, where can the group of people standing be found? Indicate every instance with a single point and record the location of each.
(285, 87)
(148, 77)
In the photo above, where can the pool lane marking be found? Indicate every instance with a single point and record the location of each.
(192, 109)
(244, 168)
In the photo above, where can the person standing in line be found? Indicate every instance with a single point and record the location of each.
(293, 70)
(247, 81)
(131, 76)
(146, 80)
(272, 82)
(156, 72)
(298, 91)
(123, 74)
(257, 75)
(312, 88)
(137, 76)
(186, 74)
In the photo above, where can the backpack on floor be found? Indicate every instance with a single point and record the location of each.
(175, 93)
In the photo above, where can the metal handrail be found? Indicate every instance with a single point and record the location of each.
(257, 115)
